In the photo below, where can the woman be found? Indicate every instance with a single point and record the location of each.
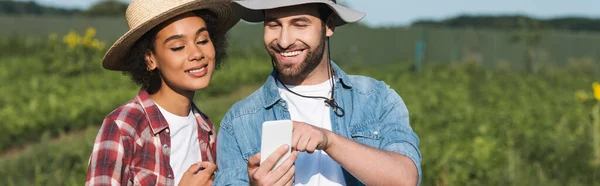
(160, 137)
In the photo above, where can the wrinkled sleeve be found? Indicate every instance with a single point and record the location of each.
(233, 168)
(106, 165)
(398, 134)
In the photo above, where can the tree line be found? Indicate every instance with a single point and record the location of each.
(115, 8)
(514, 22)
(105, 8)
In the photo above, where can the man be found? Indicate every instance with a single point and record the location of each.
(348, 130)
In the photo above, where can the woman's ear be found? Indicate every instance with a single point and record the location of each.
(330, 25)
(150, 61)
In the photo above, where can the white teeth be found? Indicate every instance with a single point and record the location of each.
(196, 70)
(291, 54)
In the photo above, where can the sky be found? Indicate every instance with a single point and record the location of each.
(402, 12)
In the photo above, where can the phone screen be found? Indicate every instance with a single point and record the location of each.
(274, 135)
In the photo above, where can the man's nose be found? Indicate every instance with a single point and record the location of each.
(285, 39)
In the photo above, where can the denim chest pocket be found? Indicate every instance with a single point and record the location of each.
(367, 134)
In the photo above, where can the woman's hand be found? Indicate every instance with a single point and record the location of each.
(201, 173)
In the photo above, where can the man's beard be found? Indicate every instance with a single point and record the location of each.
(311, 61)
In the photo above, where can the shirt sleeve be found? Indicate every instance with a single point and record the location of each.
(107, 164)
(233, 168)
(399, 136)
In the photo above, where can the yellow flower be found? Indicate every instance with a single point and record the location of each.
(596, 87)
(581, 95)
(90, 32)
(89, 37)
(96, 44)
(72, 39)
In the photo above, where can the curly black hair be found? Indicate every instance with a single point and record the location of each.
(136, 67)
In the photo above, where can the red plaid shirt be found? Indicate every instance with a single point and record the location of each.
(133, 145)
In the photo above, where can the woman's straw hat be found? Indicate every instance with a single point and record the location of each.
(143, 15)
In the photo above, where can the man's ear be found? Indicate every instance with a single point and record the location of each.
(330, 25)
(150, 61)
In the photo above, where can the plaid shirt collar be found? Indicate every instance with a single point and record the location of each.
(158, 123)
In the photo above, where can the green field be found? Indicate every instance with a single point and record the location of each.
(479, 123)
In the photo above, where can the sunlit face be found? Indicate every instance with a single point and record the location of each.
(295, 38)
(184, 53)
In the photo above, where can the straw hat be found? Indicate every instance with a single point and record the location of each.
(252, 10)
(143, 15)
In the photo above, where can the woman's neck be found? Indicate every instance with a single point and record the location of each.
(176, 102)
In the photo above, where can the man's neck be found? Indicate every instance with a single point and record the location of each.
(176, 102)
(317, 76)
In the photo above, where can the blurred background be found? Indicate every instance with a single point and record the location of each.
(499, 92)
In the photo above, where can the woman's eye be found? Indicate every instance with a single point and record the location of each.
(177, 48)
(202, 42)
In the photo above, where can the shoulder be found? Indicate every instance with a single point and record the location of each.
(367, 85)
(250, 105)
(125, 118)
(376, 91)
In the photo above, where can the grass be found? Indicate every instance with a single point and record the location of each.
(477, 127)
(63, 160)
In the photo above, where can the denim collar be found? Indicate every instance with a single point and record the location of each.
(270, 90)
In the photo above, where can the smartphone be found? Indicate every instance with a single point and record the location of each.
(274, 135)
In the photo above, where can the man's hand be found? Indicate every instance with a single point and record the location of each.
(262, 174)
(194, 176)
(309, 138)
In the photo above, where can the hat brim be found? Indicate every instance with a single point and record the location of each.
(253, 11)
(114, 59)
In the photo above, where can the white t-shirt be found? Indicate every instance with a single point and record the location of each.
(185, 149)
(316, 168)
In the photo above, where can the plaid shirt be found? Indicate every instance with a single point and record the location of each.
(133, 145)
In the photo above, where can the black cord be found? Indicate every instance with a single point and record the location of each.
(339, 111)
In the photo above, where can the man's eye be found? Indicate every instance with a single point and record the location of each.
(177, 48)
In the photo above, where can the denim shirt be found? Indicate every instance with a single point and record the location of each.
(375, 116)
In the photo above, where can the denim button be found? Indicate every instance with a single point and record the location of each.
(375, 132)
